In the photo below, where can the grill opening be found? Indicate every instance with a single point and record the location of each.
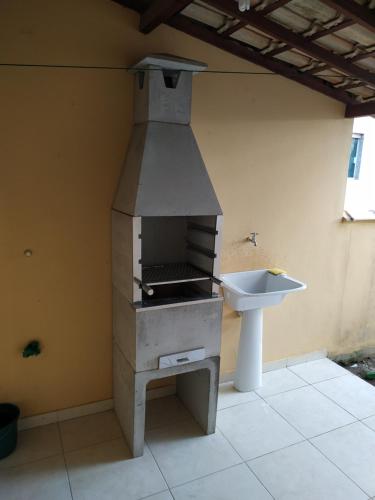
(177, 257)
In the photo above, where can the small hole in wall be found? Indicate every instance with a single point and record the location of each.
(141, 79)
(171, 78)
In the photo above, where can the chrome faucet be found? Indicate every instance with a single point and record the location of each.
(253, 238)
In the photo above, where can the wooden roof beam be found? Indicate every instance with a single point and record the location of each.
(266, 10)
(359, 13)
(363, 109)
(159, 12)
(301, 43)
(209, 35)
(315, 36)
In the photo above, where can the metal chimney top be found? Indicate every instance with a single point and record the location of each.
(168, 62)
(163, 88)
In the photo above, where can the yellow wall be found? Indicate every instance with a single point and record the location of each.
(276, 153)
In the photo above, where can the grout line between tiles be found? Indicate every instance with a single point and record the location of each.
(283, 392)
(261, 482)
(313, 384)
(95, 444)
(274, 451)
(269, 452)
(7, 467)
(324, 379)
(153, 494)
(332, 430)
(333, 401)
(299, 432)
(206, 475)
(66, 466)
(339, 468)
(217, 428)
(312, 444)
(239, 404)
(364, 423)
(188, 418)
(272, 408)
(157, 465)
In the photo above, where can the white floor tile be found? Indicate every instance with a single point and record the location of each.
(352, 450)
(300, 472)
(309, 411)
(236, 483)
(164, 495)
(319, 370)
(370, 422)
(41, 480)
(229, 396)
(165, 411)
(106, 471)
(279, 381)
(255, 428)
(34, 444)
(184, 453)
(89, 430)
(351, 393)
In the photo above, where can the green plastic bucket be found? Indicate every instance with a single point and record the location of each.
(9, 414)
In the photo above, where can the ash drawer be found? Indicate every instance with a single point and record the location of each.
(181, 358)
(177, 329)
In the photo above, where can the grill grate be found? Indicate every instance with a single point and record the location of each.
(171, 273)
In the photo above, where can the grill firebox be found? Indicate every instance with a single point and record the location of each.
(166, 224)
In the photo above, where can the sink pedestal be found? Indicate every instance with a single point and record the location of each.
(248, 375)
(250, 292)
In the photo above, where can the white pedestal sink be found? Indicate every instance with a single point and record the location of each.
(249, 292)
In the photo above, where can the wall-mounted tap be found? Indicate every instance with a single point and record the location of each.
(253, 238)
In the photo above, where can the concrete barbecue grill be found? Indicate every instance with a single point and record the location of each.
(166, 223)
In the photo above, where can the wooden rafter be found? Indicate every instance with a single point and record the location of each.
(358, 57)
(209, 35)
(315, 36)
(266, 10)
(363, 55)
(363, 109)
(350, 85)
(291, 38)
(359, 13)
(233, 28)
(159, 12)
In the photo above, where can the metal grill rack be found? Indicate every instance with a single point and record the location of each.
(172, 273)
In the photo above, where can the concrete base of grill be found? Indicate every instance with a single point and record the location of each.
(197, 388)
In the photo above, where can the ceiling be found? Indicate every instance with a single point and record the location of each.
(327, 45)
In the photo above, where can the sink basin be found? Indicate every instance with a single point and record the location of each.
(257, 289)
(249, 292)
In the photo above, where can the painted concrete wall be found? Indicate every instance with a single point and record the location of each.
(277, 155)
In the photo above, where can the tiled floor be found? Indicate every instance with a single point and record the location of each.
(307, 434)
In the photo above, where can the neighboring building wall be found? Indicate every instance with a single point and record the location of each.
(360, 193)
(276, 152)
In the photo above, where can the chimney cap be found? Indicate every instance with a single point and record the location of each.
(169, 62)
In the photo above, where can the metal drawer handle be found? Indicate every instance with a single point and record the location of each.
(181, 360)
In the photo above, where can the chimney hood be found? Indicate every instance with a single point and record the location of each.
(164, 173)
